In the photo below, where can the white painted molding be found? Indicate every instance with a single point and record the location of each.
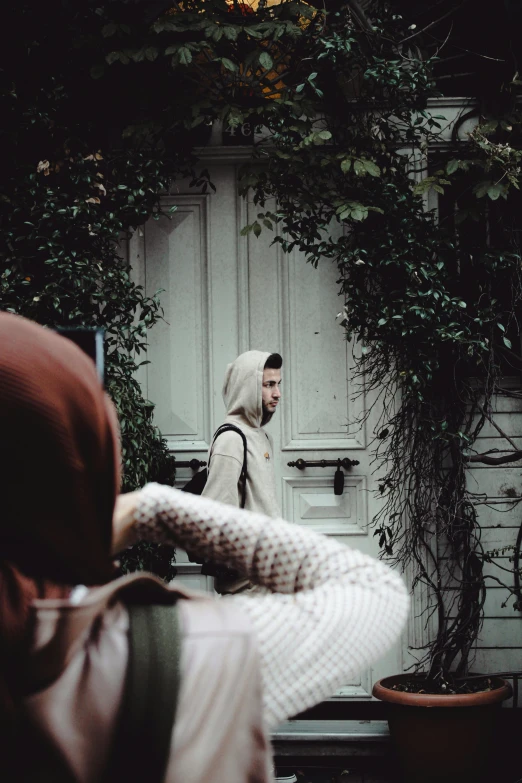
(337, 515)
(243, 294)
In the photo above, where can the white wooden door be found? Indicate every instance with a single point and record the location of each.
(224, 294)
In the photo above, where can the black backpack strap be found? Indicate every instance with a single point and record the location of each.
(143, 735)
(233, 428)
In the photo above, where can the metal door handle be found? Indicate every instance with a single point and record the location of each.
(345, 463)
(194, 464)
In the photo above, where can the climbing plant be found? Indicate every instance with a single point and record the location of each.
(66, 207)
(432, 299)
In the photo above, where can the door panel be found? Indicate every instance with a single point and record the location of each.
(319, 356)
(178, 373)
(311, 501)
(224, 294)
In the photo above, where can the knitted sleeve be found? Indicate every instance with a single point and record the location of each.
(332, 611)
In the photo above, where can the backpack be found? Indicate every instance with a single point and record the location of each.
(142, 738)
(196, 486)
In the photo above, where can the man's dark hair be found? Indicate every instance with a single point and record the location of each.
(274, 362)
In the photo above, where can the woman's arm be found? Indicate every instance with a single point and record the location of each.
(333, 612)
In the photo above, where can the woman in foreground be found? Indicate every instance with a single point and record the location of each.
(247, 662)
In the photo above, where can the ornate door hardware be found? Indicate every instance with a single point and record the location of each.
(345, 463)
(193, 464)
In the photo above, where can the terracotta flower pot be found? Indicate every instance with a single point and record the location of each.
(444, 738)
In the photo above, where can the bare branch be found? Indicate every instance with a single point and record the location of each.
(432, 24)
(495, 425)
(513, 456)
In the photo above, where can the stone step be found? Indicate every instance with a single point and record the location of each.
(332, 738)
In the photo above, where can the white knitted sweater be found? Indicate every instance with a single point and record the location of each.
(332, 610)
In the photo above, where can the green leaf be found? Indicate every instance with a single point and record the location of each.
(184, 55)
(114, 57)
(228, 64)
(256, 228)
(346, 165)
(325, 135)
(230, 33)
(423, 186)
(372, 168)
(507, 342)
(359, 168)
(151, 53)
(482, 188)
(253, 32)
(501, 327)
(452, 166)
(109, 29)
(265, 61)
(495, 191)
(488, 127)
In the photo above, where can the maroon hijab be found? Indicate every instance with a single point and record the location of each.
(59, 475)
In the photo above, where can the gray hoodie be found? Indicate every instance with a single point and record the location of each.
(242, 394)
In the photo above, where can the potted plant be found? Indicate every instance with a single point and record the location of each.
(441, 737)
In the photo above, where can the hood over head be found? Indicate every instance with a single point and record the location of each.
(58, 484)
(243, 387)
(61, 457)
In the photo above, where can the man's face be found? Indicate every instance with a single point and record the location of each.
(271, 389)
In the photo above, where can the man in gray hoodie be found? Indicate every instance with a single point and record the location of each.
(251, 392)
